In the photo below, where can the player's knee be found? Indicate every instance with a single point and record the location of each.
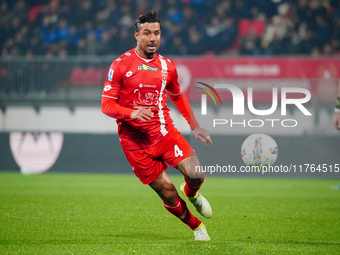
(197, 177)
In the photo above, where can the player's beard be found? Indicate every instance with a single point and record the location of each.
(149, 54)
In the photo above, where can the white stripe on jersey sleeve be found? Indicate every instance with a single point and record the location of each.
(110, 97)
(173, 94)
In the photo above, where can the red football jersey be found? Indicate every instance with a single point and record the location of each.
(135, 82)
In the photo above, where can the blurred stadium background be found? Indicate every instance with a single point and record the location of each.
(55, 56)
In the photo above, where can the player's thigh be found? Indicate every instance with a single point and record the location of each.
(144, 165)
(175, 148)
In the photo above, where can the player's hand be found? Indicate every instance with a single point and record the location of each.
(142, 114)
(202, 135)
(336, 120)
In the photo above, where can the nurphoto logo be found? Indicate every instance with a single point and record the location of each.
(238, 105)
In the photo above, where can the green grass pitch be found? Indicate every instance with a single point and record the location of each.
(116, 214)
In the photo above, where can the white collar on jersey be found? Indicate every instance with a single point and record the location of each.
(145, 59)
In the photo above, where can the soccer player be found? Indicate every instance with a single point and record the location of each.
(336, 120)
(135, 95)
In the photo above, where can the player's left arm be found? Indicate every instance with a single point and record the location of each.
(182, 104)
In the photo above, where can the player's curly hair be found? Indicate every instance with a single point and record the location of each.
(150, 17)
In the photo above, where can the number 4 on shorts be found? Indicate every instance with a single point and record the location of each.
(178, 152)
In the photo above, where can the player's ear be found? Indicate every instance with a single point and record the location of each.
(136, 36)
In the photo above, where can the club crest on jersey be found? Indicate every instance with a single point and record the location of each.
(147, 68)
(110, 74)
(164, 75)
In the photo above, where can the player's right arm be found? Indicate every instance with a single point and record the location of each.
(336, 119)
(111, 108)
(110, 96)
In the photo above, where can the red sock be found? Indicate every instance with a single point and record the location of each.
(181, 211)
(191, 188)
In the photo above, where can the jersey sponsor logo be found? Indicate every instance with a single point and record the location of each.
(128, 74)
(147, 68)
(147, 86)
(147, 98)
(107, 88)
(110, 74)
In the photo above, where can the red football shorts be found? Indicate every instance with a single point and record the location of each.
(148, 163)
